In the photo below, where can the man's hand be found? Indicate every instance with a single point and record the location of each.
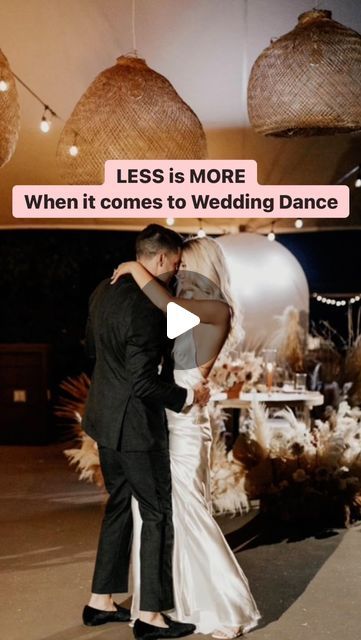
(201, 394)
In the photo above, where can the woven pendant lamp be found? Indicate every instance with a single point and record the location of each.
(9, 112)
(308, 82)
(128, 112)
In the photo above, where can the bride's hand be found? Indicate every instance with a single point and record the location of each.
(122, 270)
(202, 394)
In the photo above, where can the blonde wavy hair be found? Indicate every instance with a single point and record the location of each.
(204, 256)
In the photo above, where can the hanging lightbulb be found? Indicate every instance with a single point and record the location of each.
(45, 124)
(271, 236)
(299, 223)
(201, 233)
(170, 222)
(4, 86)
(73, 150)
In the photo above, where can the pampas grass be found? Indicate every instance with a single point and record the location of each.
(227, 474)
(70, 407)
(86, 461)
(289, 339)
(259, 430)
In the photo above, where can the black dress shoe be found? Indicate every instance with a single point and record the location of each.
(93, 617)
(174, 623)
(145, 631)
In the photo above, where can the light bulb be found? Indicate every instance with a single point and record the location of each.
(271, 236)
(299, 223)
(73, 150)
(358, 182)
(201, 233)
(45, 125)
(4, 85)
(170, 222)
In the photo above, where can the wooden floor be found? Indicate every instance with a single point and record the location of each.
(49, 523)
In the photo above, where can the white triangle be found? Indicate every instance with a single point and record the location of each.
(179, 320)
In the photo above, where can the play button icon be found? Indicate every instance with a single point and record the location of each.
(179, 320)
(191, 349)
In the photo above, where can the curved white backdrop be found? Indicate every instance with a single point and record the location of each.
(265, 279)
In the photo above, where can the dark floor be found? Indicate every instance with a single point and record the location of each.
(49, 522)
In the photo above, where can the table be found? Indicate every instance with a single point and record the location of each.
(304, 399)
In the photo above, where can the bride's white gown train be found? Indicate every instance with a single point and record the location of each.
(210, 588)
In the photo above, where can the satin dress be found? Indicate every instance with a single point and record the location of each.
(210, 588)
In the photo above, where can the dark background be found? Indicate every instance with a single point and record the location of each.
(47, 276)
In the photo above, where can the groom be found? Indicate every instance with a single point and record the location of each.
(125, 414)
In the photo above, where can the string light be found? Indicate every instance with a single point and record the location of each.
(299, 223)
(73, 150)
(44, 125)
(201, 233)
(45, 122)
(271, 236)
(339, 301)
(170, 222)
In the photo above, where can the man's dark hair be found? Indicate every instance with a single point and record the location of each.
(155, 238)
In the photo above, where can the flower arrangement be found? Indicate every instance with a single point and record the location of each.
(242, 372)
(302, 475)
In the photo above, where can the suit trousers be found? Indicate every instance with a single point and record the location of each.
(147, 476)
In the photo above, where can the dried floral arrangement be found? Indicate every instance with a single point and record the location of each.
(70, 409)
(299, 474)
(289, 339)
(303, 475)
(227, 474)
(245, 369)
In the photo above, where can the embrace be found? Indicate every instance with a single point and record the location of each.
(147, 411)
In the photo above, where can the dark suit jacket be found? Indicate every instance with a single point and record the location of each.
(126, 335)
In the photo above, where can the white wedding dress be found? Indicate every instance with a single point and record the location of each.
(210, 588)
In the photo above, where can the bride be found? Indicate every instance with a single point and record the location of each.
(210, 589)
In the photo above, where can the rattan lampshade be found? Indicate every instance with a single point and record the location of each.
(308, 82)
(128, 112)
(9, 111)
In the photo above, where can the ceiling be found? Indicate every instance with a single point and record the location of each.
(204, 47)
